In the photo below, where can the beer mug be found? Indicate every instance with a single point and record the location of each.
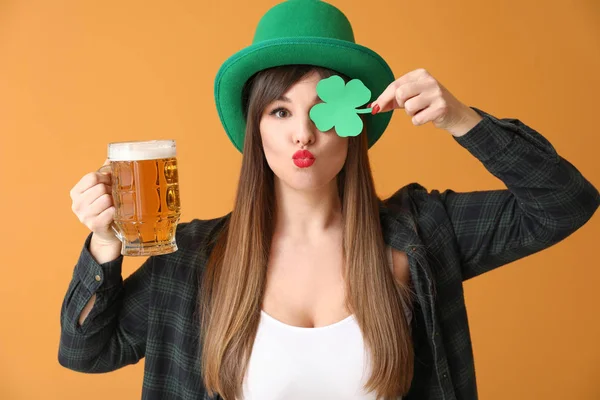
(145, 191)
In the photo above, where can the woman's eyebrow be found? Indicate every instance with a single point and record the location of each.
(288, 100)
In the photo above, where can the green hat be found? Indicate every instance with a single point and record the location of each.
(300, 32)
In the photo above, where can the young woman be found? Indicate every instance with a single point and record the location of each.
(313, 287)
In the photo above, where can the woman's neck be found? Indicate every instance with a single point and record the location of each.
(303, 214)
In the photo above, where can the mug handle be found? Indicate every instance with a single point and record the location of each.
(103, 169)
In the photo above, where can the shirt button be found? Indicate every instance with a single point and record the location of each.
(97, 277)
(414, 249)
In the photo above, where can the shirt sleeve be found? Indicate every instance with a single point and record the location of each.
(546, 200)
(114, 333)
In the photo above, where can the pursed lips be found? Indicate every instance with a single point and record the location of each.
(303, 158)
(302, 154)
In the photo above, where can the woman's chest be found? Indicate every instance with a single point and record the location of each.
(306, 290)
(309, 290)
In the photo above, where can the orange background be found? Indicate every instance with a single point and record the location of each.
(76, 75)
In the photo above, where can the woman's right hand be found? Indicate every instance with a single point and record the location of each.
(93, 204)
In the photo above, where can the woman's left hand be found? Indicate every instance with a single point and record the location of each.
(425, 99)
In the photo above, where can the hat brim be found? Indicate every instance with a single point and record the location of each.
(350, 59)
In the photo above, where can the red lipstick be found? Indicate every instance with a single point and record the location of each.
(303, 158)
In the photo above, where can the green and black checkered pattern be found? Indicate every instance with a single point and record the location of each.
(449, 237)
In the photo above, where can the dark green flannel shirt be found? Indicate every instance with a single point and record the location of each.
(449, 237)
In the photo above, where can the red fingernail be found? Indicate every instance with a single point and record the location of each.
(369, 105)
(375, 109)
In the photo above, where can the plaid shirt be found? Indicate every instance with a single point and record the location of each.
(449, 237)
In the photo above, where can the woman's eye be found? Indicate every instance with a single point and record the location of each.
(280, 112)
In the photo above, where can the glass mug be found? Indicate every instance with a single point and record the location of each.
(145, 191)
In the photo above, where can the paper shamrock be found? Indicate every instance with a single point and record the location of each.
(339, 107)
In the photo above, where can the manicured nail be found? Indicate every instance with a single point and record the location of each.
(375, 109)
(369, 105)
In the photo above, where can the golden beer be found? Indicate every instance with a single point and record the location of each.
(145, 189)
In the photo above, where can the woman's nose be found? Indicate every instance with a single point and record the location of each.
(305, 131)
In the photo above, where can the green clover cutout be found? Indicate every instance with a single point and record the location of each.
(339, 107)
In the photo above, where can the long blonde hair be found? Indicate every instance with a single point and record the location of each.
(233, 283)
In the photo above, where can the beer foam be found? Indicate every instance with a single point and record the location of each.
(137, 151)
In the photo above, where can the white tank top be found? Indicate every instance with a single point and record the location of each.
(290, 362)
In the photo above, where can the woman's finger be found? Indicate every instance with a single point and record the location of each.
(416, 104)
(90, 195)
(387, 100)
(407, 92)
(433, 112)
